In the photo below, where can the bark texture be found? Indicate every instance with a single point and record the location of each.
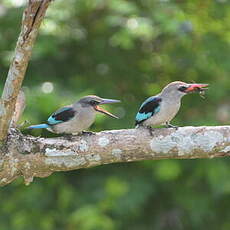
(31, 157)
(19, 109)
(32, 17)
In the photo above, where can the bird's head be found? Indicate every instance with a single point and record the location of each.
(179, 88)
(95, 101)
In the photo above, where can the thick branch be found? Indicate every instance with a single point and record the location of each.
(31, 21)
(39, 157)
(19, 108)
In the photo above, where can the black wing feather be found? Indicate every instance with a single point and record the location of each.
(61, 115)
(150, 106)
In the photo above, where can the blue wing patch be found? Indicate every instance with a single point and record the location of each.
(61, 115)
(148, 108)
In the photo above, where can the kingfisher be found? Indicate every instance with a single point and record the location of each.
(75, 118)
(162, 108)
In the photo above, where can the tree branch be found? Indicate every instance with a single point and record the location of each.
(19, 108)
(32, 17)
(30, 156)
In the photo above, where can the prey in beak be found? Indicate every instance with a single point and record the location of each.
(105, 101)
(192, 88)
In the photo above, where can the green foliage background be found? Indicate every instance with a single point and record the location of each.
(124, 50)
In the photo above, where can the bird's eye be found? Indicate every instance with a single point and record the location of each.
(182, 88)
(93, 103)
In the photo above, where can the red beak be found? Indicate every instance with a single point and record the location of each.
(196, 88)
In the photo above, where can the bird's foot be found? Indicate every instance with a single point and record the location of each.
(68, 136)
(168, 125)
(88, 133)
(151, 130)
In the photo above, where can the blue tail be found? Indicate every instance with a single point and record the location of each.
(40, 126)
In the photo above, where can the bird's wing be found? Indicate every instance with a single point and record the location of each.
(61, 115)
(148, 108)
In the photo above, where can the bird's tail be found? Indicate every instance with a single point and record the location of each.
(40, 126)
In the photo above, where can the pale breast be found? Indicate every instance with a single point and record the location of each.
(82, 121)
(168, 111)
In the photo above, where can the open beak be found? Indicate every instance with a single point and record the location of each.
(196, 88)
(106, 101)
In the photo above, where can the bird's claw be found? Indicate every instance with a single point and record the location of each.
(68, 137)
(88, 133)
(168, 125)
(150, 130)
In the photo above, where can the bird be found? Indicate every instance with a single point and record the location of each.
(162, 108)
(75, 118)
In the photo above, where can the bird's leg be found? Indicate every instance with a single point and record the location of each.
(150, 130)
(68, 136)
(168, 125)
(88, 133)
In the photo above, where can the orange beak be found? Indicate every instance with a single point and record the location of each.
(106, 101)
(101, 110)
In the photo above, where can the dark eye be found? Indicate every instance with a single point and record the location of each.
(182, 88)
(93, 103)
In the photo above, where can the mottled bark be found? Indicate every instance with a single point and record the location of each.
(19, 108)
(31, 157)
(32, 17)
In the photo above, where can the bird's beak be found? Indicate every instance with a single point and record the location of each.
(109, 101)
(106, 101)
(196, 88)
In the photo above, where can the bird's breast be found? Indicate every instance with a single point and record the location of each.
(83, 119)
(168, 110)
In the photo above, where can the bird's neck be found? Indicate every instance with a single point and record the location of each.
(171, 95)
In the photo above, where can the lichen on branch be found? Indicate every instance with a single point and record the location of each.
(31, 157)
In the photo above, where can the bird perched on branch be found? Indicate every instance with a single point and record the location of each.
(77, 117)
(162, 108)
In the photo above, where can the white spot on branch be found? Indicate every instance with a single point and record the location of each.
(66, 162)
(28, 180)
(13, 164)
(19, 56)
(185, 143)
(58, 153)
(226, 149)
(208, 140)
(162, 145)
(103, 141)
(3, 180)
(27, 165)
(2, 110)
(83, 146)
(117, 153)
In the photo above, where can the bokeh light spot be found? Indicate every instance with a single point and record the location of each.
(47, 87)
(132, 23)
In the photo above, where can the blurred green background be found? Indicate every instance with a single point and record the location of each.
(124, 50)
